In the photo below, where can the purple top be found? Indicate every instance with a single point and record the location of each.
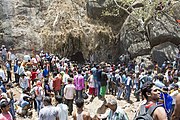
(79, 82)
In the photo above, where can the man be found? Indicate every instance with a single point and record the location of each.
(80, 114)
(152, 95)
(159, 82)
(79, 84)
(115, 113)
(69, 92)
(178, 58)
(2, 74)
(5, 107)
(8, 68)
(98, 74)
(61, 108)
(57, 81)
(176, 113)
(4, 53)
(103, 83)
(128, 84)
(49, 112)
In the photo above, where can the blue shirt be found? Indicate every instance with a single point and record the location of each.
(45, 72)
(15, 68)
(3, 88)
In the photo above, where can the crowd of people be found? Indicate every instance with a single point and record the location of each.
(43, 77)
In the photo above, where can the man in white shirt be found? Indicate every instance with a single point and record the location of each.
(61, 108)
(69, 93)
(2, 74)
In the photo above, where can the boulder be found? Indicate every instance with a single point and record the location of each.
(138, 49)
(164, 51)
(96, 107)
(162, 38)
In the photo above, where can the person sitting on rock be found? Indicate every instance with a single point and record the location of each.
(23, 109)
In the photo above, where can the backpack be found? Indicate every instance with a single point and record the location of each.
(146, 114)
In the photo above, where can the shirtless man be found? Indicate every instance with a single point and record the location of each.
(176, 113)
(80, 114)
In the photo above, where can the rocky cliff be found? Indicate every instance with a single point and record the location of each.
(99, 30)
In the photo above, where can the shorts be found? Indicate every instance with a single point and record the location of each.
(92, 91)
(103, 90)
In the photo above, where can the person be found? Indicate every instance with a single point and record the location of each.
(152, 94)
(176, 113)
(128, 86)
(15, 70)
(103, 83)
(4, 53)
(47, 89)
(173, 94)
(39, 94)
(57, 81)
(116, 113)
(80, 114)
(69, 93)
(33, 75)
(2, 74)
(159, 82)
(79, 84)
(8, 68)
(10, 95)
(45, 72)
(49, 112)
(61, 108)
(24, 109)
(91, 85)
(24, 82)
(5, 107)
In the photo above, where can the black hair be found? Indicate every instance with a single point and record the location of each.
(4, 103)
(55, 73)
(9, 85)
(59, 98)
(79, 103)
(47, 99)
(25, 98)
(175, 78)
(147, 88)
(70, 80)
(161, 77)
(45, 80)
(79, 71)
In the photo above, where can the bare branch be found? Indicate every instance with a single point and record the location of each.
(125, 10)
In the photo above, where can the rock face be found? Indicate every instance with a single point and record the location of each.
(164, 51)
(95, 30)
(20, 24)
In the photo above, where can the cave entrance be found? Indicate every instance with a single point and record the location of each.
(77, 57)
